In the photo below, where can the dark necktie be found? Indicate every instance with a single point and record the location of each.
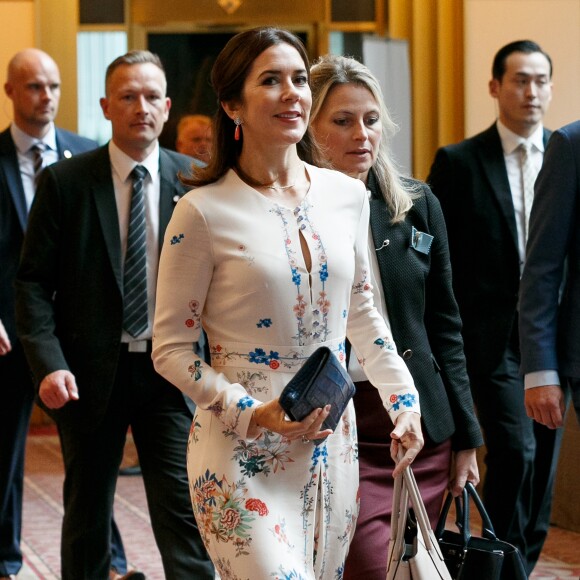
(38, 150)
(135, 275)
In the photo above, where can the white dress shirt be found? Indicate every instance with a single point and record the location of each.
(122, 166)
(23, 142)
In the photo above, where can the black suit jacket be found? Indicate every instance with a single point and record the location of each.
(69, 302)
(13, 214)
(470, 179)
(424, 316)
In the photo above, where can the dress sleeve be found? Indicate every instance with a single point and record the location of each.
(185, 273)
(371, 338)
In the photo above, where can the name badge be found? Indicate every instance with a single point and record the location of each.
(421, 241)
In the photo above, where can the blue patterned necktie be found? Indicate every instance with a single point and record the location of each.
(135, 319)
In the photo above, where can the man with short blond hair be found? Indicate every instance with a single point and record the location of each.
(85, 301)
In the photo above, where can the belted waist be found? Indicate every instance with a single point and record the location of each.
(277, 358)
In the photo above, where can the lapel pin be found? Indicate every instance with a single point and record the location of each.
(67, 154)
(176, 198)
(385, 244)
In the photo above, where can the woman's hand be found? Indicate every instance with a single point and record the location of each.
(272, 417)
(407, 433)
(466, 469)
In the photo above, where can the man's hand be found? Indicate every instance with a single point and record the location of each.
(546, 405)
(5, 346)
(57, 389)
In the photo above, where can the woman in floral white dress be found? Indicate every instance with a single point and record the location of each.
(270, 253)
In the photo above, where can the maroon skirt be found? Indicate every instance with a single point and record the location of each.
(367, 557)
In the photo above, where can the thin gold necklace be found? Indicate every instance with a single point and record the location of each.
(280, 187)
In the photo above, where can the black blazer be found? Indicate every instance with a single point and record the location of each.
(69, 303)
(550, 331)
(424, 316)
(13, 214)
(471, 182)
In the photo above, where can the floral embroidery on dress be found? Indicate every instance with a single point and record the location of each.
(384, 342)
(363, 285)
(244, 251)
(251, 380)
(407, 400)
(259, 356)
(264, 323)
(279, 532)
(350, 521)
(195, 320)
(266, 454)
(282, 574)
(195, 370)
(349, 451)
(224, 568)
(194, 431)
(223, 511)
(176, 239)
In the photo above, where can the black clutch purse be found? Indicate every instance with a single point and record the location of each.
(321, 381)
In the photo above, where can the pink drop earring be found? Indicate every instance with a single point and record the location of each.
(238, 131)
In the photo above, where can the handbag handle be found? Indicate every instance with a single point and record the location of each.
(462, 516)
(411, 490)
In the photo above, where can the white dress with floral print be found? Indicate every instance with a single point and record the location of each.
(269, 507)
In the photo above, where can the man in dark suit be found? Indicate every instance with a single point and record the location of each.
(550, 331)
(33, 86)
(485, 185)
(85, 302)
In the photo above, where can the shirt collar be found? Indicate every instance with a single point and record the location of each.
(123, 164)
(23, 141)
(510, 141)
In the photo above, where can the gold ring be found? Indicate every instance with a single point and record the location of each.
(305, 439)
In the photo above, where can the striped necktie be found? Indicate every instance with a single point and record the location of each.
(529, 175)
(38, 150)
(135, 319)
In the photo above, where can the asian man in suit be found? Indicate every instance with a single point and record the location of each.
(485, 185)
(33, 85)
(85, 298)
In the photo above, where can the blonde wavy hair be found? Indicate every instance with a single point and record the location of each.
(331, 70)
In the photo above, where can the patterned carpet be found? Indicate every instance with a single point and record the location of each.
(43, 514)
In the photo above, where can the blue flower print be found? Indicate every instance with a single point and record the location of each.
(245, 402)
(323, 272)
(296, 279)
(259, 356)
(384, 343)
(264, 323)
(177, 239)
(344, 313)
(408, 400)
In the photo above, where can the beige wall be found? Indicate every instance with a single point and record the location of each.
(17, 33)
(489, 24)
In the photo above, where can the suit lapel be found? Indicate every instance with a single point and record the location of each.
(170, 192)
(493, 163)
(9, 163)
(104, 195)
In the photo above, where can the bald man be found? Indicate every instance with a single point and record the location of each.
(33, 86)
(194, 137)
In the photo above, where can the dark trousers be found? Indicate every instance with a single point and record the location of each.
(160, 423)
(17, 397)
(521, 457)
